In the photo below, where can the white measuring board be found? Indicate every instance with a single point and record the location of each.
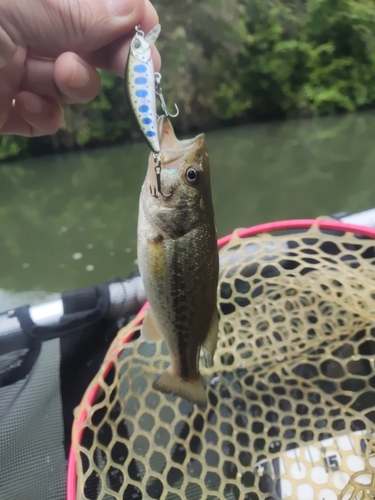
(319, 471)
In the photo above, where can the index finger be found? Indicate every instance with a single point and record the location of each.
(113, 56)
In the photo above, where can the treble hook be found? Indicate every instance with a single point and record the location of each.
(159, 93)
(155, 193)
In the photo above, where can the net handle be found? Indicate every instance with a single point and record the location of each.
(269, 227)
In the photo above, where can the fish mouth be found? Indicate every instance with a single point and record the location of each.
(172, 148)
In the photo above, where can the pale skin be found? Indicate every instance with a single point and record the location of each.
(50, 51)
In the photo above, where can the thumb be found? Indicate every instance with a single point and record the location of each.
(51, 27)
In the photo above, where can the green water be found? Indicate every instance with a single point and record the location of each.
(70, 221)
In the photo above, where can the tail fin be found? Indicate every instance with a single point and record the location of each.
(191, 390)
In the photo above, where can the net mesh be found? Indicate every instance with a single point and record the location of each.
(291, 410)
(32, 460)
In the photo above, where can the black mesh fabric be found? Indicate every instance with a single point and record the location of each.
(32, 461)
(44, 372)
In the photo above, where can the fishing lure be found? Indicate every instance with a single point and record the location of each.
(142, 86)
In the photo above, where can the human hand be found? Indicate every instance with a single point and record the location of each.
(49, 50)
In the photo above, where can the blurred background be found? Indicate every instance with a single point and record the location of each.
(283, 89)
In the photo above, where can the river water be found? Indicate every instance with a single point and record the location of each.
(69, 221)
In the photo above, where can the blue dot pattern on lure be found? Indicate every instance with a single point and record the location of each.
(140, 85)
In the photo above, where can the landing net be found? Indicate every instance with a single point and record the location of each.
(291, 410)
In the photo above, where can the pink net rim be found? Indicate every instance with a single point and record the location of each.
(269, 227)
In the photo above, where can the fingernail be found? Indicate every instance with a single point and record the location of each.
(33, 105)
(80, 77)
(5, 59)
(121, 7)
(3, 62)
(7, 48)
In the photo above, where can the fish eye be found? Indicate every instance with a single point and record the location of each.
(137, 44)
(192, 175)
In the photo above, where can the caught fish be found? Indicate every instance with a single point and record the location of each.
(179, 264)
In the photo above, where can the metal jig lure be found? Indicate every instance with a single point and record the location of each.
(142, 87)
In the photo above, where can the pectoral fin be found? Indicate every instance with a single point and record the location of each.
(150, 330)
(209, 345)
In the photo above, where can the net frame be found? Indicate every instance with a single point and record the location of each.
(270, 227)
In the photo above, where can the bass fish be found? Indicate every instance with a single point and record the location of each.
(179, 263)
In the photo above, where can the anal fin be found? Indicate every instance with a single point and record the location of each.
(191, 390)
(150, 330)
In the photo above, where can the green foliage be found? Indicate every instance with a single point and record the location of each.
(11, 146)
(240, 60)
(199, 41)
(303, 57)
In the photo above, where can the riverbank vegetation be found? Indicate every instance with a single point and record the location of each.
(235, 61)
